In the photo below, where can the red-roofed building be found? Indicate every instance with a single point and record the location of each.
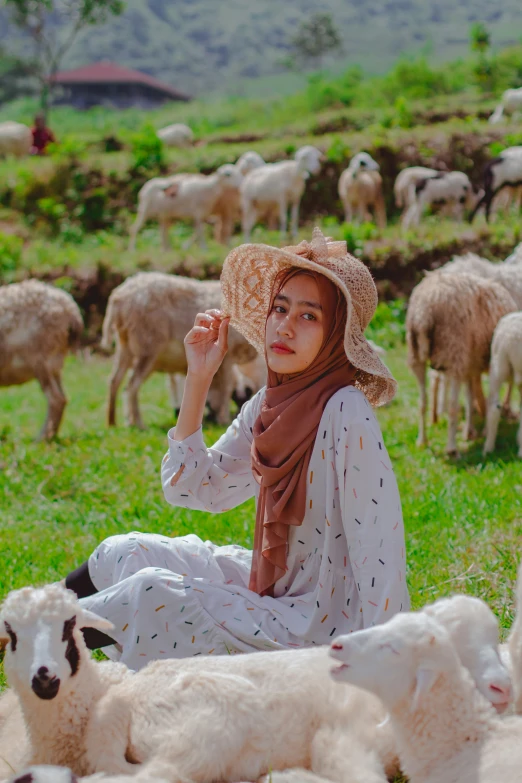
(108, 84)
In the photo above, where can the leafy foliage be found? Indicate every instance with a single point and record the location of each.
(53, 26)
(316, 38)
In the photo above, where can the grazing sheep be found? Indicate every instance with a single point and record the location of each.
(449, 325)
(182, 197)
(16, 139)
(451, 188)
(100, 717)
(446, 732)
(278, 186)
(151, 313)
(227, 209)
(506, 365)
(360, 190)
(402, 188)
(177, 135)
(39, 325)
(510, 103)
(505, 171)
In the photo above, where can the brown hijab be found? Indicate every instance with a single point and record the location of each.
(285, 431)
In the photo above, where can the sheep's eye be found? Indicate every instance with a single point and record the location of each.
(12, 635)
(68, 628)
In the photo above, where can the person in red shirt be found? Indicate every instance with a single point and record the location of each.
(42, 135)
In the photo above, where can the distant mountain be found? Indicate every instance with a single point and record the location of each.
(204, 46)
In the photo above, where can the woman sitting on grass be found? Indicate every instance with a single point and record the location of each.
(328, 552)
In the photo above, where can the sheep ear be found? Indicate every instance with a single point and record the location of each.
(426, 678)
(88, 619)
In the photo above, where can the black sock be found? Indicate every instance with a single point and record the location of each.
(81, 583)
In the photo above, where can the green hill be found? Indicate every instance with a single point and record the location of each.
(236, 46)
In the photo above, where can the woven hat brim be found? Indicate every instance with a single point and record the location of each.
(247, 281)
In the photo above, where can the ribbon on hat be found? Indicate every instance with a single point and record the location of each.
(320, 249)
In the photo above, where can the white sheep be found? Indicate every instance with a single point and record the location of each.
(16, 139)
(449, 325)
(402, 187)
(150, 315)
(49, 773)
(516, 256)
(39, 325)
(100, 717)
(504, 171)
(278, 186)
(360, 190)
(446, 732)
(176, 135)
(342, 752)
(506, 365)
(182, 197)
(451, 188)
(510, 103)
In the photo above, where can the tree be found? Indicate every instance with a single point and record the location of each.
(485, 68)
(15, 77)
(53, 26)
(480, 38)
(315, 38)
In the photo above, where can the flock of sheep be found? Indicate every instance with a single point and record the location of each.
(430, 694)
(252, 191)
(463, 320)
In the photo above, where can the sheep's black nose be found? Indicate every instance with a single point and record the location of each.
(44, 686)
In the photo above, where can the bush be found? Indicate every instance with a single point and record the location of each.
(388, 326)
(11, 248)
(147, 150)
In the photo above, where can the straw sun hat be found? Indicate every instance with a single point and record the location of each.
(247, 280)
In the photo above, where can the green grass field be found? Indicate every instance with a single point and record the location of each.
(463, 517)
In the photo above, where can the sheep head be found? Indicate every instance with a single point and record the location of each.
(230, 175)
(363, 160)
(42, 627)
(401, 659)
(249, 161)
(309, 159)
(473, 629)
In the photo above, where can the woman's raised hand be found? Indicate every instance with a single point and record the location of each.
(206, 344)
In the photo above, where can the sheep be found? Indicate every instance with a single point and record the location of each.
(506, 365)
(16, 139)
(452, 188)
(100, 717)
(182, 197)
(227, 208)
(278, 185)
(510, 103)
(360, 190)
(402, 187)
(49, 773)
(39, 325)
(446, 732)
(473, 629)
(151, 313)
(177, 135)
(515, 257)
(449, 324)
(504, 171)
(513, 649)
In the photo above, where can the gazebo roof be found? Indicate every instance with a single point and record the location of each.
(106, 72)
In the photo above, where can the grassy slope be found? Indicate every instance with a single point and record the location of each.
(463, 518)
(246, 38)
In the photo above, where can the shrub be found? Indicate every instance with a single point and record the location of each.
(147, 150)
(388, 326)
(11, 247)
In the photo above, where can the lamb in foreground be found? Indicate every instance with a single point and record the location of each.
(150, 314)
(446, 732)
(39, 325)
